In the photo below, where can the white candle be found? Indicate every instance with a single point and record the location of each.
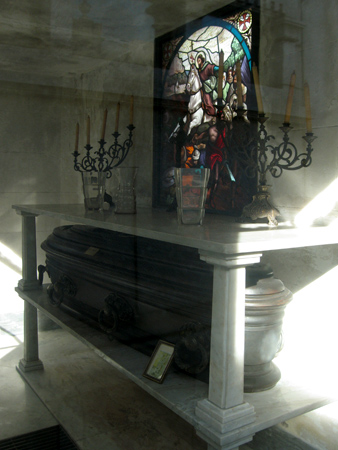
(104, 124)
(117, 117)
(131, 109)
(257, 89)
(77, 137)
(88, 130)
(290, 98)
(307, 108)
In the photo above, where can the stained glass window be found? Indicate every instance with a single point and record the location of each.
(202, 78)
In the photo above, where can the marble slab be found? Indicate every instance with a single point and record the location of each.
(21, 411)
(179, 392)
(219, 234)
(100, 407)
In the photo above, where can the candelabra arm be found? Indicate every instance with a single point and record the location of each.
(76, 154)
(118, 152)
(87, 164)
(268, 158)
(286, 156)
(102, 161)
(263, 149)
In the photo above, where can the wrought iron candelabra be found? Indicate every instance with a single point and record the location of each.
(103, 160)
(258, 157)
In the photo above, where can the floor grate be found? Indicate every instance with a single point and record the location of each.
(53, 438)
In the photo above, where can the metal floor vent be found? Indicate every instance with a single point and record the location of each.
(53, 438)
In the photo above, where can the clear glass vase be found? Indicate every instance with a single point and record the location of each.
(125, 202)
(191, 193)
(94, 186)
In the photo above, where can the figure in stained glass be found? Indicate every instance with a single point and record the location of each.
(199, 89)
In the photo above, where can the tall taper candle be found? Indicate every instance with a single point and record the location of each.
(257, 89)
(77, 137)
(104, 124)
(220, 75)
(239, 85)
(88, 130)
(290, 98)
(131, 109)
(117, 117)
(307, 108)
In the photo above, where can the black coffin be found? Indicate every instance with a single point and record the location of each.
(137, 290)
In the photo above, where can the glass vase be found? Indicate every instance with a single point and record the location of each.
(191, 193)
(94, 186)
(126, 198)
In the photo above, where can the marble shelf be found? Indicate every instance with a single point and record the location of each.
(219, 233)
(179, 392)
(221, 413)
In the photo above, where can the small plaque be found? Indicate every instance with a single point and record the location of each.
(91, 251)
(160, 361)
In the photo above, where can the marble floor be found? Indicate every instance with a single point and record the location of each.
(98, 408)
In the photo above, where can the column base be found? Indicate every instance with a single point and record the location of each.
(30, 366)
(224, 429)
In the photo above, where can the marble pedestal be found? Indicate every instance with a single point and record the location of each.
(223, 418)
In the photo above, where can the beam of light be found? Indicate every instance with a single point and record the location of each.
(10, 258)
(311, 335)
(320, 207)
(11, 306)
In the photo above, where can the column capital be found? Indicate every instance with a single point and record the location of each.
(28, 285)
(230, 260)
(25, 214)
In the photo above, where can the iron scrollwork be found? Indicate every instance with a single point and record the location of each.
(115, 311)
(65, 286)
(192, 349)
(105, 160)
(269, 158)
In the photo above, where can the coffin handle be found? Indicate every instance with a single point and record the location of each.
(41, 270)
(65, 286)
(115, 311)
(192, 349)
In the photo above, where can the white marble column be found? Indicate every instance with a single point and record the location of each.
(222, 419)
(29, 281)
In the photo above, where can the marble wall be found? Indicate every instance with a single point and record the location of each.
(82, 61)
(299, 35)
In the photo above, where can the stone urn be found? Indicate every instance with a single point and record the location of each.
(265, 305)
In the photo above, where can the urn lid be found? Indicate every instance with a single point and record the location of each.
(266, 286)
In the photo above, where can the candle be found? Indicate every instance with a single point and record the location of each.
(131, 109)
(220, 75)
(77, 137)
(88, 130)
(290, 98)
(117, 117)
(307, 108)
(257, 89)
(239, 84)
(104, 124)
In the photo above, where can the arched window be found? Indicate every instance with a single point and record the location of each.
(202, 76)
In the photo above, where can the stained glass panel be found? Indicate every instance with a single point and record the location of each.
(202, 80)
